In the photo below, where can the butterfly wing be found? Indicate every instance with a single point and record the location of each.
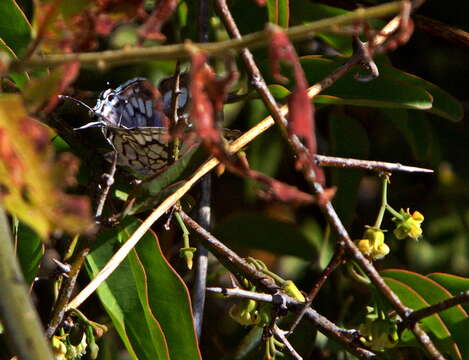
(136, 103)
(144, 150)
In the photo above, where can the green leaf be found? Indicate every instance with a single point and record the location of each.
(279, 12)
(455, 318)
(261, 232)
(29, 250)
(453, 283)
(31, 177)
(15, 29)
(413, 300)
(444, 104)
(147, 301)
(348, 139)
(385, 91)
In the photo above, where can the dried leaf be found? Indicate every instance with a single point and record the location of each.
(301, 110)
(152, 28)
(32, 181)
(208, 96)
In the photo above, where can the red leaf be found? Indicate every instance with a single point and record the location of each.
(208, 96)
(11, 160)
(152, 27)
(301, 111)
(70, 71)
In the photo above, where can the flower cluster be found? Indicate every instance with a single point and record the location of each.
(378, 332)
(408, 225)
(372, 245)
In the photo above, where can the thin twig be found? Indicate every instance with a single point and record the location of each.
(109, 178)
(439, 307)
(232, 261)
(280, 334)
(109, 58)
(68, 285)
(201, 260)
(343, 336)
(308, 172)
(378, 166)
(333, 264)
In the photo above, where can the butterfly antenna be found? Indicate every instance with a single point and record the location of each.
(76, 101)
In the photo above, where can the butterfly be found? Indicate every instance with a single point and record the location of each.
(134, 118)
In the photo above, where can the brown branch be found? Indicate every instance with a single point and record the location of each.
(439, 307)
(442, 30)
(204, 207)
(333, 264)
(232, 261)
(109, 58)
(344, 337)
(378, 166)
(309, 175)
(60, 306)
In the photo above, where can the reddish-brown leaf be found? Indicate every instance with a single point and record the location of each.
(208, 96)
(70, 71)
(152, 28)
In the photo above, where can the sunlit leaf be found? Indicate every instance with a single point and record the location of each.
(433, 324)
(453, 283)
(455, 318)
(32, 180)
(15, 30)
(145, 298)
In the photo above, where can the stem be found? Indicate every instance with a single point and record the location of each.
(104, 59)
(384, 202)
(200, 278)
(23, 328)
(393, 212)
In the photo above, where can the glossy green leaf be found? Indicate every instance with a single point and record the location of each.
(29, 250)
(385, 91)
(455, 318)
(413, 300)
(348, 139)
(15, 30)
(147, 301)
(444, 104)
(279, 12)
(261, 232)
(453, 283)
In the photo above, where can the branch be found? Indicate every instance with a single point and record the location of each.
(68, 285)
(201, 260)
(326, 207)
(379, 166)
(23, 328)
(104, 59)
(342, 336)
(333, 264)
(437, 308)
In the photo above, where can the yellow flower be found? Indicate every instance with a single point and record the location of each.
(408, 225)
(372, 245)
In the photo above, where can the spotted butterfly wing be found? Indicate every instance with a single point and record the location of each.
(133, 123)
